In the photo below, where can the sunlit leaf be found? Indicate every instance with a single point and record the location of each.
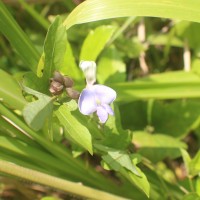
(194, 164)
(10, 91)
(169, 85)
(110, 67)
(69, 66)
(157, 146)
(141, 182)
(52, 58)
(118, 160)
(54, 47)
(75, 130)
(95, 42)
(191, 196)
(94, 10)
(35, 113)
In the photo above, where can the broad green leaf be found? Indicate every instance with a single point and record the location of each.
(137, 118)
(194, 165)
(35, 113)
(50, 198)
(180, 123)
(157, 146)
(94, 10)
(197, 185)
(10, 91)
(189, 31)
(52, 58)
(110, 67)
(196, 65)
(169, 85)
(191, 196)
(31, 80)
(18, 39)
(75, 130)
(141, 182)
(145, 140)
(121, 162)
(115, 136)
(69, 66)
(95, 42)
(118, 160)
(54, 48)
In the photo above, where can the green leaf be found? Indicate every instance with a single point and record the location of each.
(110, 67)
(169, 85)
(95, 42)
(52, 58)
(145, 140)
(189, 31)
(115, 136)
(50, 198)
(35, 113)
(194, 165)
(180, 123)
(197, 186)
(54, 48)
(186, 159)
(75, 130)
(94, 10)
(118, 160)
(141, 182)
(10, 91)
(69, 66)
(18, 39)
(31, 80)
(191, 196)
(157, 146)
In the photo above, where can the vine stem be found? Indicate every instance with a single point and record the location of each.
(61, 184)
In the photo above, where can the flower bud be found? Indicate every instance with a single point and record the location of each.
(89, 70)
(68, 82)
(58, 77)
(56, 88)
(72, 93)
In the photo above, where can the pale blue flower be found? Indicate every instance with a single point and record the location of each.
(97, 98)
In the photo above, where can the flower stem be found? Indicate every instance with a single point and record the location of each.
(67, 186)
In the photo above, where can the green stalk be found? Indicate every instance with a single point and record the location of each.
(67, 186)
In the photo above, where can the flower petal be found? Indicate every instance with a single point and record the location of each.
(86, 102)
(108, 109)
(102, 114)
(105, 94)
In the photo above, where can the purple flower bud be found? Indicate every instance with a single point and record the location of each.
(72, 93)
(68, 82)
(56, 88)
(97, 98)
